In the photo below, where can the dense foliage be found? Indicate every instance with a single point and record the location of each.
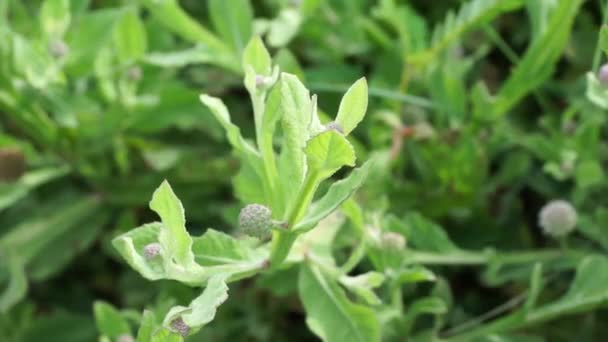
(280, 170)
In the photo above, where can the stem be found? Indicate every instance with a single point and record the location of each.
(482, 258)
(282, 241)
(597, 56)
(355, 257)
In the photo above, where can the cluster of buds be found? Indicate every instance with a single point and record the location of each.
(602, 75)
(179, 326)
(58, 48)
(256, 220)
(152, 250)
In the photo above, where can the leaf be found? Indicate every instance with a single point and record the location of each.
(173, 237)
(596, 92)
(55, 17)
(256, 56)
(130, 37)
(174, 18)
(218, 254)
(146, 326)
(472, 14)
(233, 20)
(589, 173)
(16, 289)
(327, 152)
(165, 335)
(284, 27)
(362, 285)
(540, 58)
(109, 320)
(296, 108)
(353, 106)
(13, 192)
(330, 314)
(203, 308)
(587, 291)
(339, 192)
(422, 233)
(61, 326)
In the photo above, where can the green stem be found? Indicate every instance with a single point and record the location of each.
(482, 258)
(597, 56)
(282, 241)
(355, 257)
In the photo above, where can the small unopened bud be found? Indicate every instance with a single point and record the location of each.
(295, 3)
(392, 241)
(557, 218)
(134, 73)
(334, 126)
(180, 326)
(256, 220)
(58, 48)
(125, 338)
(12, 164)
(261, 81)
(151, 250)
(602, 74)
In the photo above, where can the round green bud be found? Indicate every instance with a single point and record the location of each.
(179, 326)
(557, 218)
(256, 220)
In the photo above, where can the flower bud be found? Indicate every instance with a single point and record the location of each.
(260, 81)
(602, 75)
(392, 241)
(151, 250)
(180, 326)
(12, 164)
(557, 218)
(58, 49)
(256, 220)
(335, 126)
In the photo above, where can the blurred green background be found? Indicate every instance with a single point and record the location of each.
(481, 110)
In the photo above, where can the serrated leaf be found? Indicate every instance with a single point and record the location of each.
(330, 314)
(203, 308)
(256, 56)
(233, 20)
(173, 237)
(339, 192)
(353, 106)
(327, 152)
(130, 37)
(109, 320)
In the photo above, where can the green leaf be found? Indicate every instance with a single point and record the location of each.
(589, 173)
(256, 56)
(130, 37)
(16, 289)
(233, 20)
(174, 237)
(422, 233)
(353, 106)
(203, 308)
(166, 335)
(336, 195)
(330, 314)
(596, 92)
(217, 253)
(10, 193)
(296, 108)
(540, 58)
(55, 17)
(172, 16)
(284, 27)
(61, 326)
(109, 320)
(146, 326)
(362, 285)
(327, 152)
